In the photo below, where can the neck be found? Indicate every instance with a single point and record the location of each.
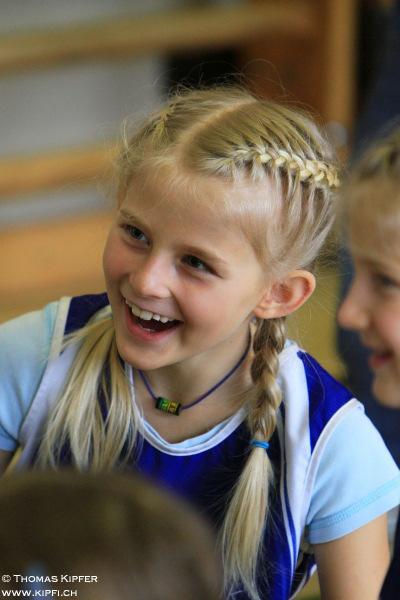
(185, 381)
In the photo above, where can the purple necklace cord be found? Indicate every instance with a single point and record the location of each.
(211, 390)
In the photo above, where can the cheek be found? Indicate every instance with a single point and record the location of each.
(388, 322)
(218, 309)
(386, 389)
(395, 335)
(113, 258)
(107, 262)
(201, 305)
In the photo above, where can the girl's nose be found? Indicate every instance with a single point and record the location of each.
(152, 278)
(353, 312)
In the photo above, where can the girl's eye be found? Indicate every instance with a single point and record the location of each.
(196, 263)
(135, 233)
(384, 281)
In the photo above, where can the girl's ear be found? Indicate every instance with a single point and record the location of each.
(285, 296)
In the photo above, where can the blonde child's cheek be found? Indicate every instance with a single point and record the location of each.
(386, 388)
(112, 258)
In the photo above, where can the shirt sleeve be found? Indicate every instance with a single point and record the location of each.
(24, 350)
(357, 480)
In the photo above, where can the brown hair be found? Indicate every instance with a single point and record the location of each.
(138, 541)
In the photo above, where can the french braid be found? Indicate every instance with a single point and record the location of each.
(321, 174)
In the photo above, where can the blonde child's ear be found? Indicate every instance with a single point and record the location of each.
(285, 296)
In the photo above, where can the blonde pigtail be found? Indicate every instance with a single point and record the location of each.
(244, 525)
(76, 420)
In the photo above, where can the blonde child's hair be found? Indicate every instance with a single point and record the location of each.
(229, 134)
(370, 200)
(136, 539)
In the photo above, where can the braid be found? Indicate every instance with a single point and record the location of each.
(316, 171)
(160, 125)
(268, 342)
(242, 533)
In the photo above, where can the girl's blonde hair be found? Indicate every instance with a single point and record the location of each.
(370, 201)
(230, 134)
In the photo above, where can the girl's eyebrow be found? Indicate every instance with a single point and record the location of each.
(376, 263)
(208, 257)
(130, 218)
(199, 252)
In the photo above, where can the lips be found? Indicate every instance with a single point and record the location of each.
(379, 359)
(155, 325)
(148, 329)
(147, 315)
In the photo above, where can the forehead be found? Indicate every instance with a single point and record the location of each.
(375, 249)
(373, 219)
(185, 198)
(193, 200)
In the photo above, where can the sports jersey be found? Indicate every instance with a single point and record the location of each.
(332, 471)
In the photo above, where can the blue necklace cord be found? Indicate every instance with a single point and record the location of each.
(174, 408)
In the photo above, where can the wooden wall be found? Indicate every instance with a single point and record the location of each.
(308, 44)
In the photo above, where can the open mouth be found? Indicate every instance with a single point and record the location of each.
(153, 325)
(151, 322)
(378, 359)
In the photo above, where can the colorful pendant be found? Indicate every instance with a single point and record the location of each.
(168, 406)
(174, 408)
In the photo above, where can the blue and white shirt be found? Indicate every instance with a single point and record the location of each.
(333, 473)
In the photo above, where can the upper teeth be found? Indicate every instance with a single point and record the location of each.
(146, 315)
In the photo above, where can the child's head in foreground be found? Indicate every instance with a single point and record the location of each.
(224, 203)
(371, 210)
(138, 541)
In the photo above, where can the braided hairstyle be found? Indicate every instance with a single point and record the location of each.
(231, 134)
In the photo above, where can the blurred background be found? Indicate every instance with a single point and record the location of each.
(70, 72)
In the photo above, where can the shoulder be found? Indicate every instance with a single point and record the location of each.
(336, 461)
(298, 365)
(313, 404)
(82, 308)
(24, 349)
(26, 340)
(311, 396)
(356, 462)
(27, 345)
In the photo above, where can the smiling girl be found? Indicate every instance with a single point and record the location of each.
(183, 370)
(372, 306)
(371, 211)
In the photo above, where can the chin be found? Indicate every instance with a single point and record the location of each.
(138, 359)
(387, 392)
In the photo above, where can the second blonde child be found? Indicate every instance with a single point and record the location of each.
(371, 211)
